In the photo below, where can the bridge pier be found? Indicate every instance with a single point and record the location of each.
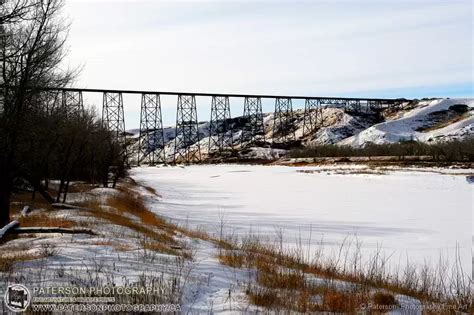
(312, 113)
(112, 114)
(253, 129)
(187, 147)
(72, 102)
(374, 106)
(283, 129)
(353, 106)
(219, 125)
(151, 147)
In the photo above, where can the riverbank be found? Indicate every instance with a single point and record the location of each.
(238, 238)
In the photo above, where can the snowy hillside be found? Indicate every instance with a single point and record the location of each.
(426, 121)
(435, 120)
(336, 126)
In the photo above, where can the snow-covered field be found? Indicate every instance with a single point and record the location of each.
(414, 215)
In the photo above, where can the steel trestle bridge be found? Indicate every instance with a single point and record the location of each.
(221, 134)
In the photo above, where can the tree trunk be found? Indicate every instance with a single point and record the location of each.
(65, 191)
(4, 206)
(61, 186)
(40, 189)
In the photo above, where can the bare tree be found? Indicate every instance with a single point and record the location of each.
(13, 11)
(33, 36)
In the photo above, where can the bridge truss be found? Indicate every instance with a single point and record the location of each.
(187, 147)
(151, 142)
(220, 128)
(283, 127)
(253, 129)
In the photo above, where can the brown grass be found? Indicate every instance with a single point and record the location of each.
(122, 247)
(24, 198)
(272, 278)
(278, 272)
(8, 261)
(384, 298)
(117, 218)
(128, 201)
(46, 219)
(233, 258)
(288, 301)
(337, 301)
(128, 209)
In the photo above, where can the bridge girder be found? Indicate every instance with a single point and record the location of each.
(187, 147)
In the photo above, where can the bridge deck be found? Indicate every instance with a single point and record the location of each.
(94, 90)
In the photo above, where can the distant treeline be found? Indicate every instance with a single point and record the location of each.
(450, 151)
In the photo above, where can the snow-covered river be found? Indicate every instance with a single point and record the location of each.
(417, 215)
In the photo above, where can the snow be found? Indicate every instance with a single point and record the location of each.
(404, 128)
(216, 288)
(340, 127)
(417, 213)
(413, 215)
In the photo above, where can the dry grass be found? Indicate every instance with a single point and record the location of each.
(195, 233)
(129, 201)
(233, 258)
(117, 218)
(46, 219)
(384, 298)
(288, 301)
(122, 247)
(282, 277)
(280, 271)
(24, 198)
(7, 262)
(128, 209)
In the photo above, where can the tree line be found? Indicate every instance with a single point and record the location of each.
(449, 151)
(40, 138)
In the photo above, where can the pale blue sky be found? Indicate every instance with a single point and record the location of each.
(330, 48)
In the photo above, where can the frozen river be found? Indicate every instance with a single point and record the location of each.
(417, 215)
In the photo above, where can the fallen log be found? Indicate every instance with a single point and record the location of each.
(8, 228)
(35, 230)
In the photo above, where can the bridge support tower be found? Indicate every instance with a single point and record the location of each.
(253, 129)
(220, 129)
(187, 148)
(283, 128)
(313, 116)
(151, 147)
(353, 107)
(72, 102)
(112, 114)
